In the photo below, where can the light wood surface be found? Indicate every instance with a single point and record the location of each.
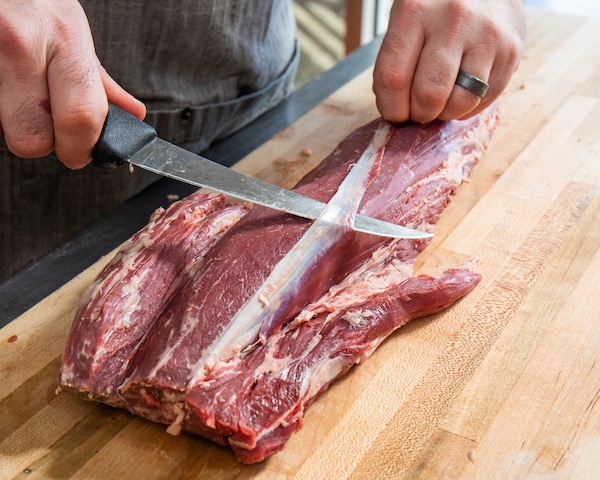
(505, 384)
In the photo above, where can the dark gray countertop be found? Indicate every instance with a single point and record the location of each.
(32, 284)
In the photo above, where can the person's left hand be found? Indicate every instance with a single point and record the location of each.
(426, 44)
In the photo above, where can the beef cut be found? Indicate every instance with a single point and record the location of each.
(185, 325)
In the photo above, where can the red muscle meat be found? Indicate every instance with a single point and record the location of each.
(152, 331)
(126, 298)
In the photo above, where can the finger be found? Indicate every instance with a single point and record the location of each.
(499, 80)
(434, 79)
(77, 97)
(477, 60)
(505, 64)
(498, 56)
(396, 62)
(79, 107)
(120, 97)
(78, 100)
(462, 101)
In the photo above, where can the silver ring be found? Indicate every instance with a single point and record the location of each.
(472, 83)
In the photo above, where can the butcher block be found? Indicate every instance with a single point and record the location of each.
(504, 384)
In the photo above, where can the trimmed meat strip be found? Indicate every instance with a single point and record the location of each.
(118, 308)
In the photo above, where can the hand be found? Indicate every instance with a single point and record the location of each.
(53, 91)
(428, 41)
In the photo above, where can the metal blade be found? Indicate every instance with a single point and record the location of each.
(169, 160)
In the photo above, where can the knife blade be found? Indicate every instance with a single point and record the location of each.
(126, 139)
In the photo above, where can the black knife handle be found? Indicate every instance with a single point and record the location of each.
(122, 136)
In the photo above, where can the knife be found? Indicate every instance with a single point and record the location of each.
(126, 139)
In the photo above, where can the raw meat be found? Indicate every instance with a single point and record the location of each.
(119, 307)
(169, 355)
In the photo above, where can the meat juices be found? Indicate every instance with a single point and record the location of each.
(148, 328)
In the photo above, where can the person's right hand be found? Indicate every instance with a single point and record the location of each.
(54, 92)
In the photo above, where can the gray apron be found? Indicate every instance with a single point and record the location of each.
(203, 68)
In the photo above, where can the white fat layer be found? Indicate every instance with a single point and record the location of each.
(321, 374)
(272, 365)
(222, 223)
(218, 226)
(130, 252)
(355, 317)
(279, 367)
(175, 427)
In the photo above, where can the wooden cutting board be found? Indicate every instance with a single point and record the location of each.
(505, 384)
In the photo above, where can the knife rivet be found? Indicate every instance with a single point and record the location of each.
(186, 113)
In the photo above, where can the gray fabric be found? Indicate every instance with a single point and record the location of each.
(203, 68)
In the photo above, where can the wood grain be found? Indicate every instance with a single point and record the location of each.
(505, 384)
